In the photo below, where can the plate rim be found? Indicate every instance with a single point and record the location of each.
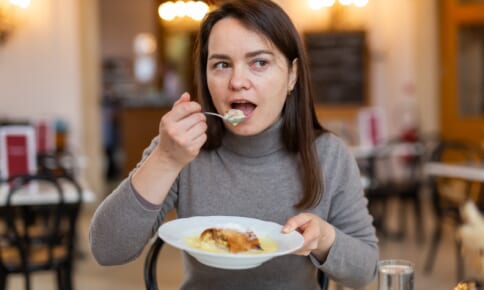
(189, 249)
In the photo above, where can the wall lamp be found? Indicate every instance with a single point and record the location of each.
(9, 17)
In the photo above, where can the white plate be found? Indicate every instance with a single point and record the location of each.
(175, 232)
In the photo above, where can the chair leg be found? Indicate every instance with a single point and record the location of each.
(3, 281)
(59, 279)
(429, 262)
(402, 204)
(27, 280)
(64, 278)
(459, 260)
(419, 232)
(68, 278)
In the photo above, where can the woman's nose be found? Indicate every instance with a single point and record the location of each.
(239, 79)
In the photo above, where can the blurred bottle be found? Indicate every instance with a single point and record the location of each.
(61, 135)
(408, 119)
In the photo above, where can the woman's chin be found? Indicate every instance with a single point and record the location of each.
(244, 129)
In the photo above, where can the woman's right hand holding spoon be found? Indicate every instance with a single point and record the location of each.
(182, 132)
(182, 135)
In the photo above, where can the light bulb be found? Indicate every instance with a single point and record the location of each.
(361, 3)
(21, 3)
(345, 2)
(167, 11)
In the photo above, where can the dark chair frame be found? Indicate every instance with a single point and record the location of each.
(63, 214)
(442, 212)
(151, 281)
(379, 192)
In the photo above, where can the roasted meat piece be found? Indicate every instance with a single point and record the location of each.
(231, 239)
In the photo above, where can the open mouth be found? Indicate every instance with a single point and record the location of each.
(244, 106)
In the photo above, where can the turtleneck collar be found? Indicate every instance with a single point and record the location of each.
(262, 144)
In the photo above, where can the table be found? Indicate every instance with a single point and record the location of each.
(391, 149)
(36, 194)
(468, 172)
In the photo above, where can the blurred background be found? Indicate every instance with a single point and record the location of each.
(384, 71)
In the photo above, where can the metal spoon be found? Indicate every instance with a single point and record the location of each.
(233, 116)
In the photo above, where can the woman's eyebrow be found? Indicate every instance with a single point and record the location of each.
(258, 52)
(248, 55)
(218, 56)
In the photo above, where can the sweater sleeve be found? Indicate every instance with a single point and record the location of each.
(122, 224)
(353, 258)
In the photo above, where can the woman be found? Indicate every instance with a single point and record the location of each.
(278, 164)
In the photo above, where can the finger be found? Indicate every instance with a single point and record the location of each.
(296, 222)
(184, 109)
(195, 123)
(197, 143)
(195, 130)
(302, 253)
(185, 97)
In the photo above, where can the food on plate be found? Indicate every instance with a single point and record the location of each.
(234, 240)
(231, 238)
(467, 285)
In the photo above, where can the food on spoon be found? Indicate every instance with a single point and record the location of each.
(234, 116)
(234, 239)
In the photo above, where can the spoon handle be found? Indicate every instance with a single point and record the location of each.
(214, 114)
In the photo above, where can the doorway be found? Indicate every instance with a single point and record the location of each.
(462, 69)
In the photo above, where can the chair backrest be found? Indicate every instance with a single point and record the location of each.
(450, 193)
(60, 164)
(456, 151)
(394, 166)
(151, 281)
(47, 230)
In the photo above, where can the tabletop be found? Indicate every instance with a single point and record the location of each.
(394, 149)
(469, 172)
(37, 194)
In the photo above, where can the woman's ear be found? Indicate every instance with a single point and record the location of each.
(292, 75)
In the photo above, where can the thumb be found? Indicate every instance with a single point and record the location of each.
(295, 222)
(185, 97)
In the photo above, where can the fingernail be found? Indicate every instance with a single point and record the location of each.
(287, 229)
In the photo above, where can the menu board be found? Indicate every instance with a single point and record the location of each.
(337, 62)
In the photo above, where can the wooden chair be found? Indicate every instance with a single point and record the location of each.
(38, 237)
(151, 281)
(448, 196)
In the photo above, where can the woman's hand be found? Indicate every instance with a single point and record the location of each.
(318, 234)
(182, 132)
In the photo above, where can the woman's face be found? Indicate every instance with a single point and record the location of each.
(246, 71)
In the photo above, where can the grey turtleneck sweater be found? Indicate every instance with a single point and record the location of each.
(253, 177)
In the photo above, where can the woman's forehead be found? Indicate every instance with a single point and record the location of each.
(231, 33)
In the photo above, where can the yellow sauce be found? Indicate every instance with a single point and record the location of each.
(268, 246)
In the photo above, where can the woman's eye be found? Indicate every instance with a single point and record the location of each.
(259, 63)
(220, 65)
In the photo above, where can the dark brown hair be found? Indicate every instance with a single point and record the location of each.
(300, 125)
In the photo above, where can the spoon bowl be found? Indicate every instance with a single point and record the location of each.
(233, 116)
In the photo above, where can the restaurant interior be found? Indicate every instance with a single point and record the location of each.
(85, 83)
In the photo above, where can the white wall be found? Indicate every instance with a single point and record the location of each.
(39, 64)
(42, 72)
